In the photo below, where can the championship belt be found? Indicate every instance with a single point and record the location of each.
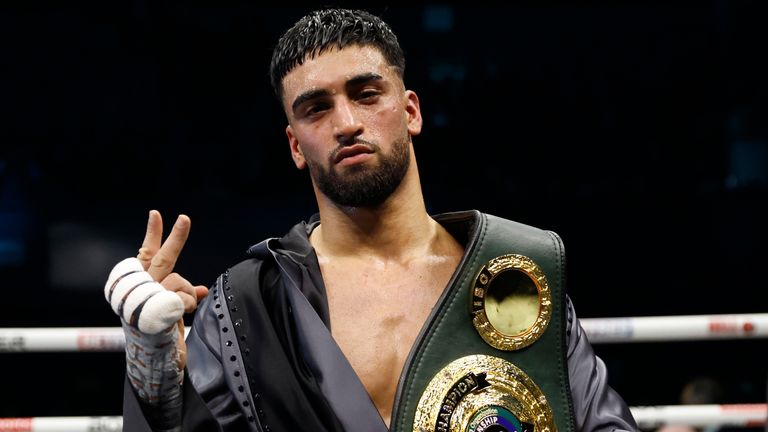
(492, 355)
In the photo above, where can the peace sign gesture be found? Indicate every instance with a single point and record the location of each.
(145, 291)
(159, 259)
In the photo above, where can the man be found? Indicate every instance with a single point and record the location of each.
(339, 324)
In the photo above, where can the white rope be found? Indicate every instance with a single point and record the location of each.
(675, 328)
(62, 339)
(599, 330)
(45, 339)
(62, 424)
(742, 415)
(648, 417)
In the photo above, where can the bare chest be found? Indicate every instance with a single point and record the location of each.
(376, 315)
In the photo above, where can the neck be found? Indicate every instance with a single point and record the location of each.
(396, 229)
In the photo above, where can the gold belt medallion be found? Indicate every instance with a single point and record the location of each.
(511, 302)
(480, 393)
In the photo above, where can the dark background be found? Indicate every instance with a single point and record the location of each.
(637, 131)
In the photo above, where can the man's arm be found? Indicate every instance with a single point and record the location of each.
(596, 405)
(151, 314)
(194, 414)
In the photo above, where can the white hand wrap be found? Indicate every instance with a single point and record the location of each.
(140, 301)
(150, 315)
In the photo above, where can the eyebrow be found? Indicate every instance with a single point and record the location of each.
(364, 78)
(354, 81)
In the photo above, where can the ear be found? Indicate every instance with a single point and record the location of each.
(413, 111)
(296, 154)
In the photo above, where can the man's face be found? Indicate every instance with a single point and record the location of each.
(351, 122)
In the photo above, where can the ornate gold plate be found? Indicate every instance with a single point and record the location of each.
(481, 393)
(511, 302)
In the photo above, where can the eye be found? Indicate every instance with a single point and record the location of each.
(316, 108)
(368, 95)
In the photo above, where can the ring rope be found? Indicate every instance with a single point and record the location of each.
(62, 424)
(741, 415)
(61, 339)
(647, 417)
(599, 330)
(675, 328)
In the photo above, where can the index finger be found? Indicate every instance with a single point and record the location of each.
(165, 259)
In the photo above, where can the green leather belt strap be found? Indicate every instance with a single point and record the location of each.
(449, 333)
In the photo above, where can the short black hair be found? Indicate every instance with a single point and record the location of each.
(324, 29)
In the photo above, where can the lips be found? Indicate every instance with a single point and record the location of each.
(353, 150)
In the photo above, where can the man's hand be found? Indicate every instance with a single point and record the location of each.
(159, 259)
(135, 294)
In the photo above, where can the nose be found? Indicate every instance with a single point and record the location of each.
(347, 124)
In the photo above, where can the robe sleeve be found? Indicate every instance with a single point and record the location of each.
(597, 407)
(196, 416)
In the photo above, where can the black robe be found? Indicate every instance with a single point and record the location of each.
(261, 356)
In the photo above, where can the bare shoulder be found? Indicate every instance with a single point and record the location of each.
(446, 245)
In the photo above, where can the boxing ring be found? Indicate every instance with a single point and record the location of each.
(599, 331)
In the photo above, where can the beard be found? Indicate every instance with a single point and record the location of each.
(361, 186)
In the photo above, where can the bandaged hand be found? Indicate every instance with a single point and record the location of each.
(150, 315)
(140, 301)
(144, 291)
(147, 294)
(150, 300)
